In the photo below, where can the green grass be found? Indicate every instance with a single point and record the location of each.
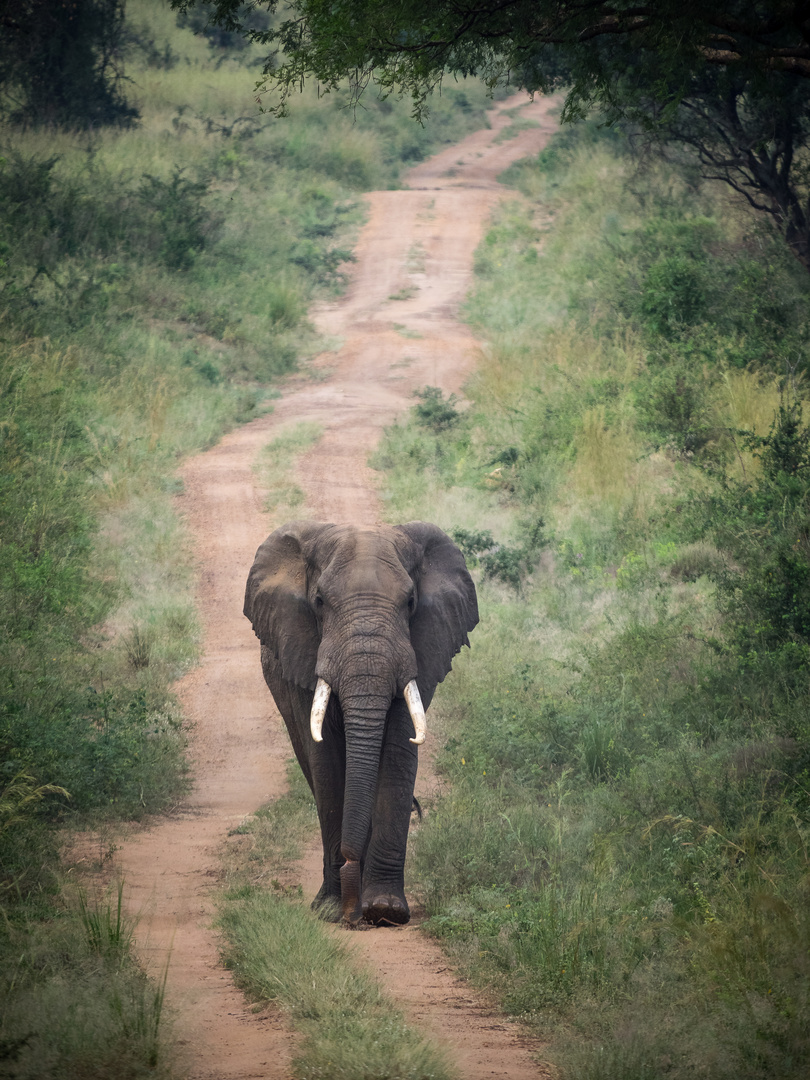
(284, 497)
(622, 854)
(280, 951)
(511, 131)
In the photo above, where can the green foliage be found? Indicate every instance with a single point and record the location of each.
(73, 1002)
(107, 930)
(674, 405)
(764, 525)
(434, 411)
(538, 44)
(183, 223)
(20, 796)
(500, 561)
(198, 20)
(676, 287)
(68, 236)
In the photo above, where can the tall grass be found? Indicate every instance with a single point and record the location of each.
(623, 852)
(74, 1003)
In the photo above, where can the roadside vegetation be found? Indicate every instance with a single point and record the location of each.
(622, 854)
(155, 276)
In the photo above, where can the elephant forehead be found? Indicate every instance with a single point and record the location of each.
(349, 543)
(380, 572)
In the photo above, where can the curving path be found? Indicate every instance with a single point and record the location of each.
(418, 243)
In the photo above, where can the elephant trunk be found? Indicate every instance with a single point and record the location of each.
(364, 725)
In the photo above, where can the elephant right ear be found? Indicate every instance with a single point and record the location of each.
(277, 604)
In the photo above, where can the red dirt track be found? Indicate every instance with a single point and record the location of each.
(418, 241)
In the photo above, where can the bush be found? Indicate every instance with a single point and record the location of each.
(218, 38)
(677, 289)
(675, 407)
(434, 411)
(763, 524)
(184, 225)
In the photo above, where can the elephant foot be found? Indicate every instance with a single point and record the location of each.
(382, 908)
(327, 905)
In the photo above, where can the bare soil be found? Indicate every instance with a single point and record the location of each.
(398, 330)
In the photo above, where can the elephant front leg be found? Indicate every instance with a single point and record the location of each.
(328, 768)
(327, 899)
(384, 901)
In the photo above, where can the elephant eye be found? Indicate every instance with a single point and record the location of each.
(411, 602)
(319, 601)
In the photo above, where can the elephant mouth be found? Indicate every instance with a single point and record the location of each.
(323, 692)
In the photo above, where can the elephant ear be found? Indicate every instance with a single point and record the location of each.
(447, 607)
(277, 602)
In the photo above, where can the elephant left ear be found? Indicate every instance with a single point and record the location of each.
(447, 607)
(276, 600)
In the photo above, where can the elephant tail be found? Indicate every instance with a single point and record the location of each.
(417, 807)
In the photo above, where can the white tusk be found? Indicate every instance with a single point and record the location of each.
(319, 703)
(416, 709)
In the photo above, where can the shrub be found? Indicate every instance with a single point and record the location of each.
(434, 411)
(185, 225)
(218, 38)
(764, 525)
(674, 405)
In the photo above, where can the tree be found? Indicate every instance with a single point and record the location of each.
(756, 142)
(728, 78)
(408, 46)
(59, 62)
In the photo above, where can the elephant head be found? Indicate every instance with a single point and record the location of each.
(351, 621)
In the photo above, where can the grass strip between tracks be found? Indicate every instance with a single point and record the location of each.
(279, 951)
(282, 495)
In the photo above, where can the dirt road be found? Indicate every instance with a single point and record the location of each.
(398, 328)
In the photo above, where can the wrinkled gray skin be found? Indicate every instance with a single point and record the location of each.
(366, 609)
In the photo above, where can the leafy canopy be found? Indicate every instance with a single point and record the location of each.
(407, 47)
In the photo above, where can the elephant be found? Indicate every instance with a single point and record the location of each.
(357, 626)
